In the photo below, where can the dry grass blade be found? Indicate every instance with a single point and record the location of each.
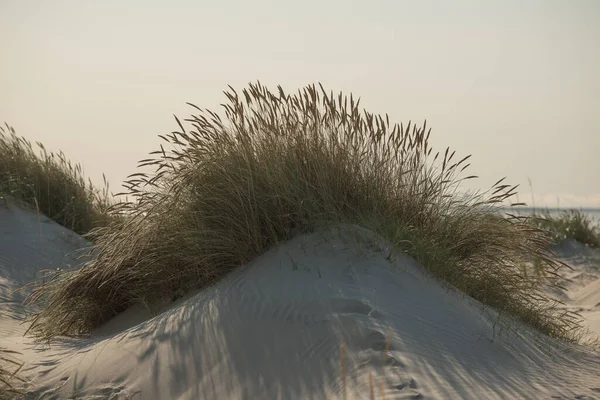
(9, 368)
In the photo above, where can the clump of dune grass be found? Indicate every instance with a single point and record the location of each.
(569, 224)
(9, 367)
(227, 189)
(52, 184)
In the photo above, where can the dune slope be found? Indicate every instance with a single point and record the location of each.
(30, 243)
(581, 285)
(316, 317)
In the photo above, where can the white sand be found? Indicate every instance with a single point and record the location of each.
(29, 243)
(273, 330)
(582, 284)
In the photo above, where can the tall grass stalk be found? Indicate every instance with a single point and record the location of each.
(225, 190)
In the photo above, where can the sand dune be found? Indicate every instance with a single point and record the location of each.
(316, 317)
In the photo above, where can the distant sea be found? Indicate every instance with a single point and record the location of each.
(593, 213)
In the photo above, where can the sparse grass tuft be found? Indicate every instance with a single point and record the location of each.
(569, 224)
(231, 189)
(51, 184)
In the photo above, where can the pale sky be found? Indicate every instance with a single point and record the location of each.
(515, 83)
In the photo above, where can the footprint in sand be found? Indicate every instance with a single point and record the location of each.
(379, 349)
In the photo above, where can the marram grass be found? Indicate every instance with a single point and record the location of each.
(51, 184)
(225, 190)
(569, 224)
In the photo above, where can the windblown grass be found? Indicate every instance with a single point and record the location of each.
(569, 224)
(51, 183)
(9, 367)
(232, 188)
